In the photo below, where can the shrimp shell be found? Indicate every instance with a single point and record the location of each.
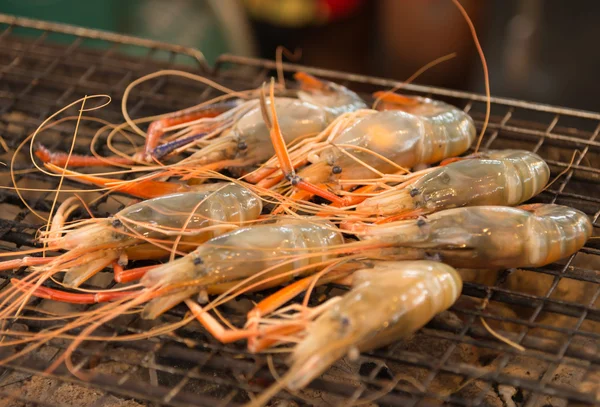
(220, 206)
(386, 303)
(403, 138)
(246, 252)
(336, 101)
(499, 177)
(491, 236)
(167, 215)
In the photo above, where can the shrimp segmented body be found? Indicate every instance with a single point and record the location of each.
(491, 236)
(386, 303)
(243, 253)
(403, 138)
(500, 177)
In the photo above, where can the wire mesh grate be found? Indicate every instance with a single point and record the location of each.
(552, 311)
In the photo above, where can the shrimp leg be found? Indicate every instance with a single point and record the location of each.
(24, 262)
(282, 153)
(155, 132)
(144, 188)
(61, 159)
(307, 81)
(213, 326)
(169, 147)
(125, 276)
(72, 298)
(277, 299)
(157, 128)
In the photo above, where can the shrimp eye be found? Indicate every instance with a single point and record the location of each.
(242, 145)
(294, 179)
(116, 223)
(336, 169)
(198, 260)
(421, 222)
(414, 192)
(345, 321)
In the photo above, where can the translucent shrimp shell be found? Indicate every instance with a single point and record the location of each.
(403, 138)
(492, 236)
(501, 177)
(335, 100)
(296, 118)
(165, 216)
(248, 251)
(249, 137)
(389, 302)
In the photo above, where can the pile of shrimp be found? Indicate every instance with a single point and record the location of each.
(290, 189)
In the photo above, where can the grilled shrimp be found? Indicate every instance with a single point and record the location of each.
(243, 253)
(386, 303)
(490, 236)
(379, 143)
(498, 177)
(238, 135)
(404, 139)
(194, 217)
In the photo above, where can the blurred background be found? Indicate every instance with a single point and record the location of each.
(537, 50)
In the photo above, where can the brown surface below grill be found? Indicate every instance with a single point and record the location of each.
(554, 312)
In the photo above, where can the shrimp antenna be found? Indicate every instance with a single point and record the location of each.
(62, 177)
(414, 76)
(486, 74)
(293, 56)
(563, 172)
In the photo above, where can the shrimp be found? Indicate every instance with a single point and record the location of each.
(244, 253)
(264, 255)
(373, 145)
(497, 177)
(489, 236)
(237, 133)
(386, 303)
(193, 217)
(251, 258)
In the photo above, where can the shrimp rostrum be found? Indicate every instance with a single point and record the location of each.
(145, 230)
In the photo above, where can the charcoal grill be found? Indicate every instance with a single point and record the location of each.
(453, 360)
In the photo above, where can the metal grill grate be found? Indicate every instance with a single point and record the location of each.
(552, 311)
